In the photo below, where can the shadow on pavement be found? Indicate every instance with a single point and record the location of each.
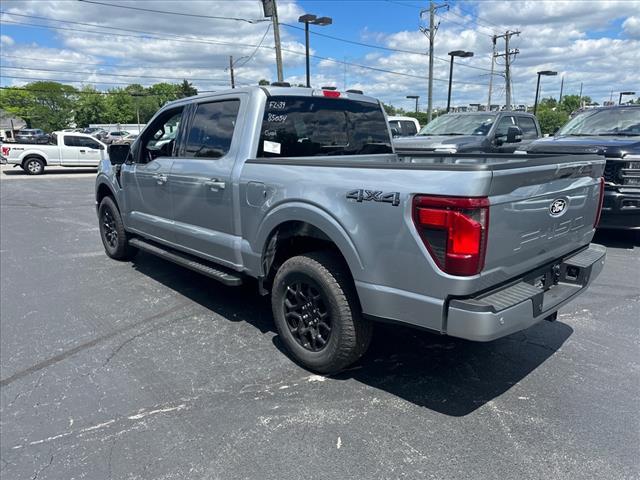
(451, 376)
(618, 238)
(48, 172)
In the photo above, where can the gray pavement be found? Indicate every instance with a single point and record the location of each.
(145, 370)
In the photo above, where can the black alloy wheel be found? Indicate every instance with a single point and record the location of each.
(307, 315)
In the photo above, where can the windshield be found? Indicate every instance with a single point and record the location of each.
(613, 121)
(457, 124)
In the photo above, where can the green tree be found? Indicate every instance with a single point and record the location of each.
(186, 89)
(263, 82)
(90, 107)
(119, 107)
(45, 105)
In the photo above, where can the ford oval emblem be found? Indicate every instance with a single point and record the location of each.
(558, 207)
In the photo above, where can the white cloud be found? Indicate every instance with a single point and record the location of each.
(595, 43)
(6, 40)
(631, 26)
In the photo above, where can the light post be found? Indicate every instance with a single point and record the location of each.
(414, 97)
(455, 53)
(546, 73)
(624, 93)
(308, 19)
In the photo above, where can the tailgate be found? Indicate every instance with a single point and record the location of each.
(540, 212)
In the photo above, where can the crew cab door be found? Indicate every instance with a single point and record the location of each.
(82, 151)
(201, 180)
(147, 206)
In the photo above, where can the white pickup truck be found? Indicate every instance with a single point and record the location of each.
(67, 149)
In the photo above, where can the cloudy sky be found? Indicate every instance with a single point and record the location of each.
(376, 46)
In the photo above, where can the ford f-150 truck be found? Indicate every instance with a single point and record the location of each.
(68, 149)
(615, 133)
(301, 189)
(474, 132)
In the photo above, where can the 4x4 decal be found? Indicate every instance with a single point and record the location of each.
(362, 195)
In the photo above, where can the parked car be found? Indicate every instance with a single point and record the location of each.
(32, 135)
(403, 126)
(114, 135)
(301, 189)
(68, 149)
(128, 140)
(474, 132)
(95, 132)
(615, 133)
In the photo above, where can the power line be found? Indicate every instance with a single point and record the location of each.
(212, 42)
(257, 47)
(353, 42)
(96, 92)
(58, 80)
(107, 74)
(106, 65)
(182, 14)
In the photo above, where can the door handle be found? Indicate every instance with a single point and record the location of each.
(215, 185)
(82, 151)
(160, 179)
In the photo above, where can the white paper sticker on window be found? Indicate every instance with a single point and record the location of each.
(271, 147)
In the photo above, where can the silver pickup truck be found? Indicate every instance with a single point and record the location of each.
(301, 189)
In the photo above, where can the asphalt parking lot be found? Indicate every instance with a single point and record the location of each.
(146, 370)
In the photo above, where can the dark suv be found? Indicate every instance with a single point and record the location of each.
(474, 132)
(32, 135)
(615, 133)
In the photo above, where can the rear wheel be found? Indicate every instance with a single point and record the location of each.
(317, 313)
(33, 166)
(112, 232)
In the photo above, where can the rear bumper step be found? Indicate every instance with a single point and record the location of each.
(520, 305)
(188, 261)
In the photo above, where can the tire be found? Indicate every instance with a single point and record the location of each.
(33, 166)
(112, 233)
(314, 289)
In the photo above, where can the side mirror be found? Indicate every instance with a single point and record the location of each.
(395, 132)
(118, 153)
(514, 135)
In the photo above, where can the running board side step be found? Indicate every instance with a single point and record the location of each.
(188, 261)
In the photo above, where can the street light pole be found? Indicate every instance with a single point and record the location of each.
(546, 73)
(307, 19)
(624, 93)
(455, 53)
(414, 97)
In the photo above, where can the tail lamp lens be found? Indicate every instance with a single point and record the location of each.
(600, 200)
(454, 230)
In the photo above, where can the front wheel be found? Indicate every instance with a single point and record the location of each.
(33, 166)
(112, 232)
(317, 312)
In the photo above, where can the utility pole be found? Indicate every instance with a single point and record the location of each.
(271, 10)
(580, 99)
(561, 88)
(431, 34)
(507, 63)
(233, 83)
(493, 63)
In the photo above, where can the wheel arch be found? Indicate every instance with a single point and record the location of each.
(301, 228)
(29, 156)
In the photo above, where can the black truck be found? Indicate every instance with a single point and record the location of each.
(474, 132)
(615, 133)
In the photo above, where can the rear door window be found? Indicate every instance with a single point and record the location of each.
(408, 128)
(503, 126)
(316, 126)
(211, 130)
(72, 141)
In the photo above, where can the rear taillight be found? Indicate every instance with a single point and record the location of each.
(5, 151)
(454, 230)
(600, 200)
